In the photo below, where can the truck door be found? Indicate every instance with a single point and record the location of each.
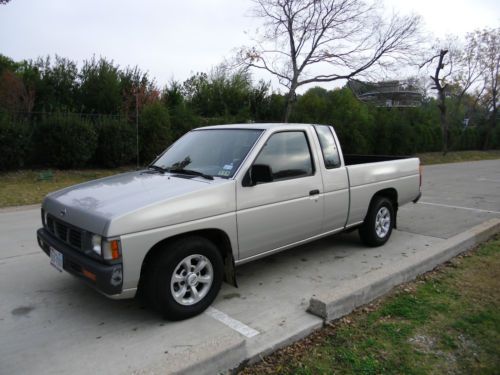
(289, 207)
(335, 181)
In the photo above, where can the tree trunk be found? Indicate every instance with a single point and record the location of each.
(493, 122)
(445, 133)
(290, 101)
(440, 86)
(444, 123)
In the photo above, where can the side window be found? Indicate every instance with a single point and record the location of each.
(328, 146)
(288, 155)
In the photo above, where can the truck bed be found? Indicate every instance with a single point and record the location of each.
(371, 173)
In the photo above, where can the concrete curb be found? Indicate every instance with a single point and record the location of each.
(338, 302)
(212, 357)
(209, 363)
(256, 352)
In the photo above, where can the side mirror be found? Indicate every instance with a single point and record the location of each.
(256, 174)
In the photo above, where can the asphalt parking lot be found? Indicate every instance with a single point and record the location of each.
(52, 323)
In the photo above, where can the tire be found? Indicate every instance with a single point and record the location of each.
(184, 278)
(378, 224)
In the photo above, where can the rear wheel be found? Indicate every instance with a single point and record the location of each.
(378, 224)
(184, 279)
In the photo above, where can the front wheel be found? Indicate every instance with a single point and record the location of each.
(185, 278)
(378, 224)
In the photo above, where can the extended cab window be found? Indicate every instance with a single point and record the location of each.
(287, 154)
(328, 146)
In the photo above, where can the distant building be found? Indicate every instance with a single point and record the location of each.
(403, 93)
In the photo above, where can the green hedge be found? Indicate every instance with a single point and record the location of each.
(63, 141)
(15, 136)
(154, 132)
(116, 143)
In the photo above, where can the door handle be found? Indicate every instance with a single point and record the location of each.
(314, 192)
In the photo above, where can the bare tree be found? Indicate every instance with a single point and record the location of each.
(487, 43)
(456, 72)
(307, 41)
(443, 70)
(467, 74)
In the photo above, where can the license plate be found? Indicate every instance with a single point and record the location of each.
(56, 259)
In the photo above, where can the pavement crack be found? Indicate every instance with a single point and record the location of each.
(424, 235)
(19, 256)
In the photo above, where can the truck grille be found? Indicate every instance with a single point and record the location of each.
(68, 234)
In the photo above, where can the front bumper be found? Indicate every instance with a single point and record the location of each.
(107, 279)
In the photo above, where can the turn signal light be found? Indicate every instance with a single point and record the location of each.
(115, 249)
(89, 275)
(111, 249)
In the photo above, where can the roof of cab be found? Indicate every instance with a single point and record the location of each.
(263, 126)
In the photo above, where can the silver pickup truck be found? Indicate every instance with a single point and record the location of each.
(219, 197)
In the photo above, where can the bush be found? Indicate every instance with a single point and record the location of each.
(15, 141)
(466, 139)
(182, 120)
(116, 143)
(64, 141)
(154, 132)
(352, 140)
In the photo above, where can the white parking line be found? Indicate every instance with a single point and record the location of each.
(231, 323)
(460, 207)
(488, 179)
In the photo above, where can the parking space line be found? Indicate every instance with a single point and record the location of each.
(460, 207)
(231, 323)
(488, 179)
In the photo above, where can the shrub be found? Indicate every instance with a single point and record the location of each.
(64, 141)
(15, 141)
(352, 139)
(116, 143)
(182, 120)
(403, 139)
(466, 139)
(154, 131)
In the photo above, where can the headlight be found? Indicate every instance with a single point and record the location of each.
(97, 244)
(108, 249)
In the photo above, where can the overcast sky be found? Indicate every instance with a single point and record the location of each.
(174, 39)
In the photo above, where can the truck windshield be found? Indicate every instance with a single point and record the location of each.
(213, 152)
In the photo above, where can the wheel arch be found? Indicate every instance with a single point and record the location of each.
(217, 236)
(392, 195)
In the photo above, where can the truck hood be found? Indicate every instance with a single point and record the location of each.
(137, 201)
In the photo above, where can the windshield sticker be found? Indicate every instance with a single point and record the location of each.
(228, 167)
(223, 173)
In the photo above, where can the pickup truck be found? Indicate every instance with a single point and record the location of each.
(218, 197)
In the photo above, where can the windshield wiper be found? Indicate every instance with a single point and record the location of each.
(157, 168)
(189, 172)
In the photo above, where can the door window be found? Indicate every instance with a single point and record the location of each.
(288, 155)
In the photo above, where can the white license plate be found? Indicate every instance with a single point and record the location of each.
(56, 259)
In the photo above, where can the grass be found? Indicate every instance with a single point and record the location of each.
(26, 186)
(428, 158)
(448, 321)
